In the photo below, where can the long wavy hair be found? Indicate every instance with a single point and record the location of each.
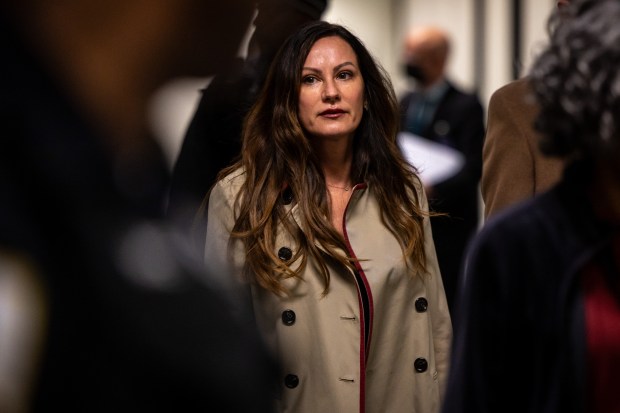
(277, 154)
(577, 82)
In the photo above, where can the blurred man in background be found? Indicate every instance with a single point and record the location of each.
(437, 110)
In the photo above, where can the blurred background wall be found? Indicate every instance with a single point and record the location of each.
(493, 42)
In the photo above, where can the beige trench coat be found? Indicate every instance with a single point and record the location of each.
(330, 362)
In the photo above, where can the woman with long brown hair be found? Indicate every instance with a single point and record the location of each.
(328, 225)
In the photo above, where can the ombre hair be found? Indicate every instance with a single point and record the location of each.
(577, 82)
(277, 154)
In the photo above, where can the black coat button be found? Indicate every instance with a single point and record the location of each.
(287, 196)
(285, 254)
(288, 317)
(291, 381)
(421, 305)
(420, 365)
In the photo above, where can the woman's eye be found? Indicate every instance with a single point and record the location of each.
(345, 75)
(309, 80)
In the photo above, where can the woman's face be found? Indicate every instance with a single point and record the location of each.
(331, 97)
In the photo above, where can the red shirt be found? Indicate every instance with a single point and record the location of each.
(601, 283)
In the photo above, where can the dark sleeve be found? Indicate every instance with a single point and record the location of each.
(478, 370)
(506, 340)
(468, 140)
(404, 106)
(313, 8)
(212, 141)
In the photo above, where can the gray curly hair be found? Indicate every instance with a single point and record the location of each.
(576, 80)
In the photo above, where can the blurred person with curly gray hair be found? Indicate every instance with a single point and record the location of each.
(540, 304)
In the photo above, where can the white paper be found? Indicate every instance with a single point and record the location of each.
(435, 162)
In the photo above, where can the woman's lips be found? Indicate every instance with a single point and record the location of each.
(332, 113)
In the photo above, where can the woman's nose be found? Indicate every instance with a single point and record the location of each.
(330, 91)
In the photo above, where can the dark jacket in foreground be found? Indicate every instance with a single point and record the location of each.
(520, 340)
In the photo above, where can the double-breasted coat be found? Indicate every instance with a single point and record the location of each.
(378, 341)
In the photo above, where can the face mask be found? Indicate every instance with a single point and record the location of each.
(415, 72)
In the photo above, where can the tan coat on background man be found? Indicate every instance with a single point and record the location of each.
(513, 168)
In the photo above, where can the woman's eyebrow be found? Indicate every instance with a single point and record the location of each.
(338, 67)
